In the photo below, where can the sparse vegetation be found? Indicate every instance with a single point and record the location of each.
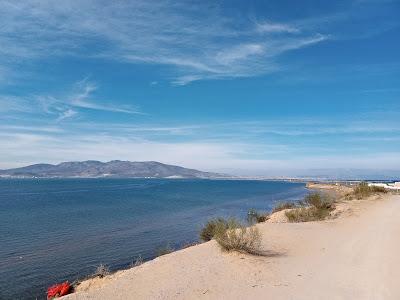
(212, 226)
(307, 214)
(320, 201)
(363, 190)
(283, 205)
(253, 217)
(239, 238)
(315, 207)
(101, 271)
(231, 235)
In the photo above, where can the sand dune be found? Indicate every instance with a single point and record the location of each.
(355, 256)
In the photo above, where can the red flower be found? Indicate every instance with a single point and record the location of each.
(58, 290)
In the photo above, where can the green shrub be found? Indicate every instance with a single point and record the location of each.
(282, 206)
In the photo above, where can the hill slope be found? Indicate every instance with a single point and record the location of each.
(115, 168)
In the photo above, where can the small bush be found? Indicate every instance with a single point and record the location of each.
(363, 190)
(282, 206)
(319, 201)
(212, 226)
(315, 207)
(101, 271)
(239, 238)
(254, 217)
(307, 214)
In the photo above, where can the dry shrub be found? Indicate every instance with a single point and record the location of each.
(363, 190)
(239, 238)
(315, 207)
(307, 214)
(212, 226)
(320, 201)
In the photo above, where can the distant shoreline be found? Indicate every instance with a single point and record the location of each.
(285, 179)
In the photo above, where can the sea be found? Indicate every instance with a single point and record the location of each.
(52, 230)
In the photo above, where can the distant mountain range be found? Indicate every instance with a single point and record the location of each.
(115, 168)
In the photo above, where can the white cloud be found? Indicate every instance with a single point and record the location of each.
(197, 40)
(81, 97)
(68, 113)
(269, 27)
(239, 52)
(65, 105)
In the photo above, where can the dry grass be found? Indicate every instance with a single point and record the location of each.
(239, 238)
(231, 235)
(212, 226)
(363, 191)
(314, 207)
(320, 201)
(307, 214)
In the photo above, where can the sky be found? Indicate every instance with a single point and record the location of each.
(272, 87)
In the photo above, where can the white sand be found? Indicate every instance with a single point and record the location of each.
(356, 256)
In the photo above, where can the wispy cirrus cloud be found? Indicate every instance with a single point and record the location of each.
(84, 90)
(197, 40)
(17, 104)
(81, 97)
(65, 105)
(271, 27)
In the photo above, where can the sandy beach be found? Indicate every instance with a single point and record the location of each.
(354, 256)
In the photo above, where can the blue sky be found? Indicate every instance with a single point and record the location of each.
(244, 87)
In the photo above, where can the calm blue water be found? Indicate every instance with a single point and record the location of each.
(53, 230)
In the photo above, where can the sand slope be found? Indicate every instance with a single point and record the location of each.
(352, 257)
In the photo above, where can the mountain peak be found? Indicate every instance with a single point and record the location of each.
(114, 168)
